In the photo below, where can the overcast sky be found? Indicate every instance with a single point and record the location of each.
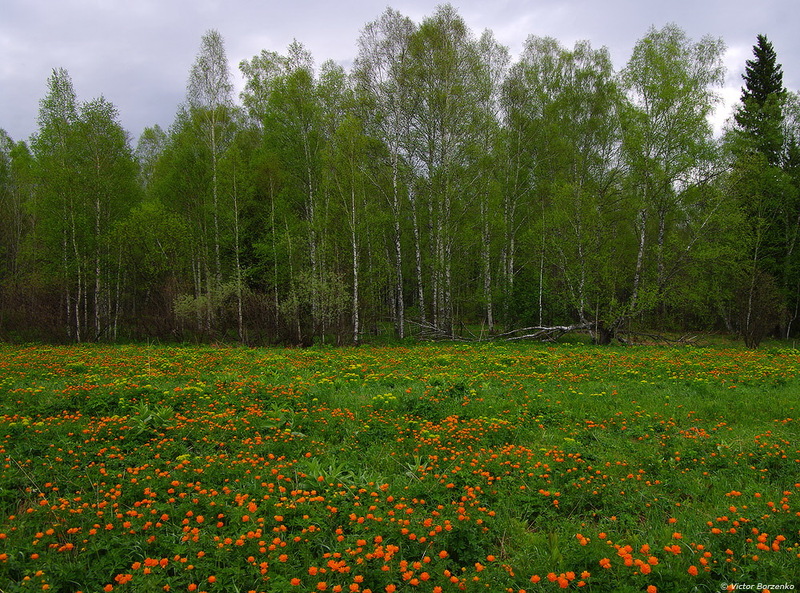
(137, 53)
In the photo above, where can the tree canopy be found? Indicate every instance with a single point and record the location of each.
(438, 188)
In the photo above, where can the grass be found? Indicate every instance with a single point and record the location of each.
(425, 468)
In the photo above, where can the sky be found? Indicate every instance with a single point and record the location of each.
(138, 53)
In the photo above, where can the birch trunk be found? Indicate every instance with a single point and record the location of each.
(400, 312)
(637, 276)
(354, 245)
(487, 267)
(418, 257)
(238, 262)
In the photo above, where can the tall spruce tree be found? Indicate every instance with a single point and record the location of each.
(760, 116)
(767, 197)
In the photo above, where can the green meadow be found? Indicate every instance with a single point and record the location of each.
(430, 468)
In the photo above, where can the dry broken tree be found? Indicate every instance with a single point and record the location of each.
(598, 334)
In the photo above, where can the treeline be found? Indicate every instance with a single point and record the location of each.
(435, 188)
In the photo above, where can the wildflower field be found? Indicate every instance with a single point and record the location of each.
(425, 468)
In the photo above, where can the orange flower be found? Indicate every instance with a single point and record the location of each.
(692, 570)
(652, 589)
(295, 582)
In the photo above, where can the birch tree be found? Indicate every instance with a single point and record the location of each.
(149, 148)
(565, 109)
(107, 181)
(282, 92)
(54, 150)
(19, 282)
(10, 209)
(493, 60)
(209, 94)
(383, 58)
(668, 146)
(442, 74)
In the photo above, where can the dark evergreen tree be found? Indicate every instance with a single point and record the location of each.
(761, 112)
(767, 195)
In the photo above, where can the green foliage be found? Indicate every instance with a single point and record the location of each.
(760, 116)
(436, 188)
(484, 467)
(763, 150)
(322, 300)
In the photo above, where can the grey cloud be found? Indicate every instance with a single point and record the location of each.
(138, 54)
